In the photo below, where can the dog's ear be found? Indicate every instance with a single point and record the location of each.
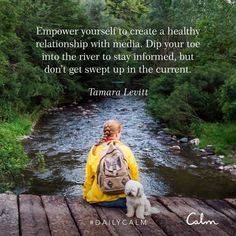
(139, 192)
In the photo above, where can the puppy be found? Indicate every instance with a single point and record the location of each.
(136, 201)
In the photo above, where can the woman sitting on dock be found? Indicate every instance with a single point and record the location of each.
(109, 166)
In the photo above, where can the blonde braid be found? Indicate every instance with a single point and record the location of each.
(109, 129)
(106, 134)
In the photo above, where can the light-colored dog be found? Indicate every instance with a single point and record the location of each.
(136, 201)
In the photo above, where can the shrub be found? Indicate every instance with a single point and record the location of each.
(228, 98)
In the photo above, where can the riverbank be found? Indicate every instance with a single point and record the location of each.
(13, 157)
(215, 142)
(221, 137)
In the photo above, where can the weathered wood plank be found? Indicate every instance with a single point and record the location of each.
(170, 223)
(224, 223)
(150, 228)
(86, 217)
(33, 218)
(179, 207)
(232, 201)
(116, 221)
(147, 227)
(9, 221)
(60, 220)
(224, 207)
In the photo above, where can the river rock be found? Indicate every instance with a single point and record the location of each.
(221, 168)
(196, 149)
(52, 154)
(167, 138)
(195, 141)
(209, 151)
(161, 132)
(218, 162)
(221, 156)
(214, 157)
(228, 167)
(24, 137)
(175, 148)
(174, 138)
(193, 166)
(184, 140)
(204, 157)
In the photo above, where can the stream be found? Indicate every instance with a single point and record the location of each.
(63, 139)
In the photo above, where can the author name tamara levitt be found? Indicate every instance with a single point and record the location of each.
(117, 92)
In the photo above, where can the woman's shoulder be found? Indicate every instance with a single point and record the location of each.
(124, 147)
(95, 149)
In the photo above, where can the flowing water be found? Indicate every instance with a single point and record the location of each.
(64, 138)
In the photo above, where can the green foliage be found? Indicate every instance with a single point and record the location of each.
(221, 135)
(208, 93)
(40, 159)
(229, 161)
(12, 155)
(228, 98)
(24, 87)
(172, 107)
(127, 11)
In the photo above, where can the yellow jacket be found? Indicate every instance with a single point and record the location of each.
(92, 192)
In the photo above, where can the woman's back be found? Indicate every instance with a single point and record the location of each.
(92, 191)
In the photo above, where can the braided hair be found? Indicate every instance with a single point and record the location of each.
(110, 128)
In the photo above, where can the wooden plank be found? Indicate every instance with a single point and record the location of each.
(33, 218)
(179, 207)
(170, 223)
(149, 228)
(86, 217)
(231, 201)
(224, 207)
(60, 220)
(9, 220)
(224, 223)
(116, 221)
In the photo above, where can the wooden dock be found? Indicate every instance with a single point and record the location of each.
(29, 215)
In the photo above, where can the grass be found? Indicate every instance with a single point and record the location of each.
(229, 161)
(12, 155)
(222, 136)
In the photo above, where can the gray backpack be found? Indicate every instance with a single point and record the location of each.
(113, 171)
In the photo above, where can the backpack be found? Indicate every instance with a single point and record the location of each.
(113, 171)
